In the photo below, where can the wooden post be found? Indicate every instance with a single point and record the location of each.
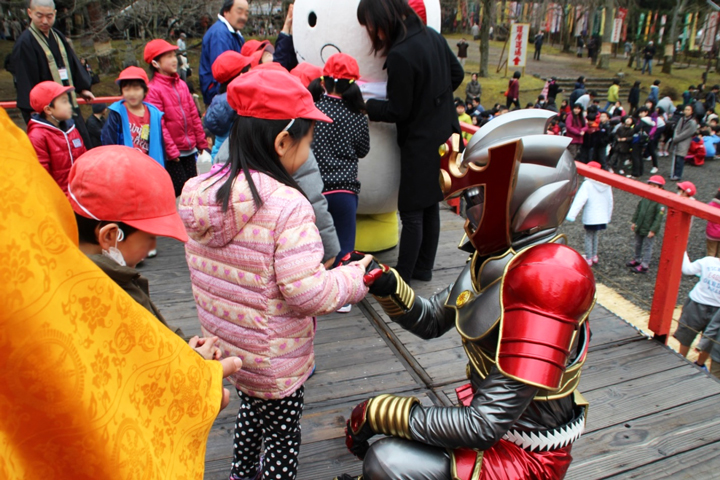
(677, 230)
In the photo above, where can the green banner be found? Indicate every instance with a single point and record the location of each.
(641, 23)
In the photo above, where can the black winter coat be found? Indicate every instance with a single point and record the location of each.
(423, 73)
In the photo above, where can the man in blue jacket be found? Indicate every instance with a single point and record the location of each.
(222, 36)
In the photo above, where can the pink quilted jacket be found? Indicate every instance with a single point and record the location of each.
(172, 96)
(712, 231)
(257, 279)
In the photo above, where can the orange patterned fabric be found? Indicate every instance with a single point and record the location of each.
(91, 384)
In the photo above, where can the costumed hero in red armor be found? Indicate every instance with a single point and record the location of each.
(520, 306)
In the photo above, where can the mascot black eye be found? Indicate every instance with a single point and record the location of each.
(312, 19)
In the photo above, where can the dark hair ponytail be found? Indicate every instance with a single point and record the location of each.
(252, 147)
(316, 89)
(349, 91)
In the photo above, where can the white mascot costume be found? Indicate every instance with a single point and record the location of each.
(322, 28)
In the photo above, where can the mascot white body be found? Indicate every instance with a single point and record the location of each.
(322, 28)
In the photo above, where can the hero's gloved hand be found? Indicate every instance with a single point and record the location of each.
(378, 277)
(358, 431)
(384, 414)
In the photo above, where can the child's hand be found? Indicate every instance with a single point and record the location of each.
(329, 263)
(206, 347)
(175, 159)
(230, 365)
(632, 227)
(365, 262)
(651, 234)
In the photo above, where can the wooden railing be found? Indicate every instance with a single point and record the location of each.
(81, 101)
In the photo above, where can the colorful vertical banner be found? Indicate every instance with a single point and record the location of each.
(647, 25)
(641, 22)
(618, 24)
(693, 32)
(686, 31)
(709, 31)
(663, 20)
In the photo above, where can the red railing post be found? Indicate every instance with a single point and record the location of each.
(675, 238)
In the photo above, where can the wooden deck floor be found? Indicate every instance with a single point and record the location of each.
(652, 414)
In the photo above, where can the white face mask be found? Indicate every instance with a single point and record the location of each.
(114, 253)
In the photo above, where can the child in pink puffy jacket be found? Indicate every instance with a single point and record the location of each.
(171, 95)
(255, 258)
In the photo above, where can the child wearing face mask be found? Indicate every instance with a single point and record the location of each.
(255, 263)
(172, 96)
(117, 233)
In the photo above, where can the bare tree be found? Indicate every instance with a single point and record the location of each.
(680, 7)
(485, 36)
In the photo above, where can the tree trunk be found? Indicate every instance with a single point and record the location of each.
(672, 37)
(485, 37)
(606, 48)
(103, 47)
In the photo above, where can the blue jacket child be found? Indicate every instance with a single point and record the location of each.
(117, 130)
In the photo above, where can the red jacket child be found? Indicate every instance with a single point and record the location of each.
(696, 152)
(171, 95)
(57, 142)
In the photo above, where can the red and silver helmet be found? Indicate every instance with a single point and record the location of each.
(518, 181)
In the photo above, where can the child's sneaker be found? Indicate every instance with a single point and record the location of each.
(595, 260)
(701, 367)
(589, 261)
(345, 309)
(639, 269)
(653, 170)
(632, 263)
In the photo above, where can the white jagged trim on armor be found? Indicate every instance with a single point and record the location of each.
(550, 440)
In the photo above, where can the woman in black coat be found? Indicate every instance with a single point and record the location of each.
(422, 73)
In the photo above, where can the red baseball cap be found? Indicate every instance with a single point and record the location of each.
(133, 73)
(306, 72)
(687, 187)
(44, 93)
(594, 165)
(657, 180)
(116, 183)
(264, 93)
(229, 64)
(157, 47)
(252, 46)
(341, 66)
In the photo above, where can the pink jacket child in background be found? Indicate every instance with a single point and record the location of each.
(255, 258)
(171, 95)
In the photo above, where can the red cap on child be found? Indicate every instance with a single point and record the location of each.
(419, 7)
(657, 180)
(252, 46)
(342, 66)
(687, 187)
(133, 73)
(264, 92)
(594, 165)
(306, 72)
(155, 48)
(120, 184)
(44, 93)
(229, 64)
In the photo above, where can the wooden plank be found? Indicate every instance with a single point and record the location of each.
(701, 463)
(626, 401)
(642, 441)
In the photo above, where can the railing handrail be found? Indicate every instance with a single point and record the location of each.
(81, 101)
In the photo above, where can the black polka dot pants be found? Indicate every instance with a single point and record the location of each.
(274, 424)
(181, 171)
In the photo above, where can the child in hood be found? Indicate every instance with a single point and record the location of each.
(646, 223)
(52, 132)
(696, 153)
(597, 199)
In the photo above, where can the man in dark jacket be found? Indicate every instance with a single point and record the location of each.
(41, 53)
(648, 54)
(422, 75)
(95, 124)
(224, 35)
(553, 90)
(462, 47)
(473, 89)
(539, 39)
(711, 98)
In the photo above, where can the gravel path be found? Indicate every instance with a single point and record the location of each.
(617, 242)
